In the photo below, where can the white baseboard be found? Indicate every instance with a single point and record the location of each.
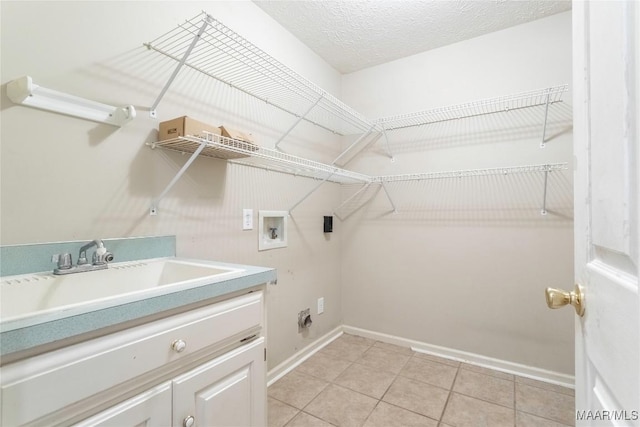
(292, 362)
(471, 358)
(462, 356)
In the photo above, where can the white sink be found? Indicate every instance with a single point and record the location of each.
(26, 295)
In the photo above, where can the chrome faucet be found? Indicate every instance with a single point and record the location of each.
(99, 261)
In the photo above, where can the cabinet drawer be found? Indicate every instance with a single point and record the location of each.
(37, 386)
(150, 409)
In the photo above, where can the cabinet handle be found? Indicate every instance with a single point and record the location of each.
(189, 421)
(178, 346)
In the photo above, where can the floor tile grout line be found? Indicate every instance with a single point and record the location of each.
(416, 355)
(462, 393)
(321, 419)
(389, 386)
(292, 418)
(544, 417)
(324, 379)
(285, 403)
(311, 415)
(489, 375)
(547, 388)
(446, 403)
(409, 410)
(431, 384)
(481, 399)
(372, 411)
(515, 403)
(333, 382)
(396, 376)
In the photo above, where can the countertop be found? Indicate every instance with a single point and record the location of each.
(42, 329)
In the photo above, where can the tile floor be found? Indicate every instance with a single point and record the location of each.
(356, 381)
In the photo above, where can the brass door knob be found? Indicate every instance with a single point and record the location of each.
(557, 298)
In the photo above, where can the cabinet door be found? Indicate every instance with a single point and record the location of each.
(227, 391)
(149, 409)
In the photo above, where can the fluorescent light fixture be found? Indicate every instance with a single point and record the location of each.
(24, 91)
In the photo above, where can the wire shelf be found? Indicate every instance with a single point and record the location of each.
(472, 172)
(533, 98)
(208, 46)
(252, 155)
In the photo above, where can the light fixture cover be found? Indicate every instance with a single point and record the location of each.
(24, 91)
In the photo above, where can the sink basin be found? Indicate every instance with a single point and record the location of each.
(26, 295)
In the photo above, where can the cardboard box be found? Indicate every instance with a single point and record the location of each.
(184, 126)
(235, 134)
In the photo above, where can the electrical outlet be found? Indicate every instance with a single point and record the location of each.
(320, 305)
(247, 219)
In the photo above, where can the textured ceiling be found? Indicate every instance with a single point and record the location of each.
(353, 34)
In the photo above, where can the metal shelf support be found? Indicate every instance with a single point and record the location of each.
(386, 191)
(543, 211)
(362, 137)
(205, 23)
(353, 144)
(544, 124)
(156, 201)
(300, 118)
(313, 190)
(386, 138)
(354, 195)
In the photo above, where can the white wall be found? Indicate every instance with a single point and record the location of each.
(64, 178)
(464, 262)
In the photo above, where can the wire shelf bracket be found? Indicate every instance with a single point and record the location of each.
(543, 211)
(196, 38)
(386, 139)
(313, 190)
(543, 143)
(386, 191)
(353, 144)
(154, 204)
(349, 199)
(300, 118)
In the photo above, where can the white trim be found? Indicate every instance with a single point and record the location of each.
(544, 375)
(294, 361)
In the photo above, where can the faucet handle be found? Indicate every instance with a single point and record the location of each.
(64, 260)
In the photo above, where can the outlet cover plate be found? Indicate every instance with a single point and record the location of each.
(247, 219)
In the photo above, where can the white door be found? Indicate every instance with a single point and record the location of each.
(226, 392)
(607, 210)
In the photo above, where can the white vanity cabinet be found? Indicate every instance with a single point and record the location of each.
(202, 367)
